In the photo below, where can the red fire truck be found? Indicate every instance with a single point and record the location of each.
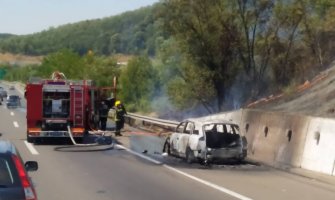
(56, 103)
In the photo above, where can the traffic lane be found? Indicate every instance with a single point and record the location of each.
(73, 175)
(62, 171)
(11, 123)
(264, 183)
(13, 128)
(233, 177)
(112, 174)
(21, 95)
(15, 91)
(257, 181)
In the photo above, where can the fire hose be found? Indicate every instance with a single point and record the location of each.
(100, 140)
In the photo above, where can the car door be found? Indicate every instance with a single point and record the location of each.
(174, 138)
(194, 138)
(183, 140)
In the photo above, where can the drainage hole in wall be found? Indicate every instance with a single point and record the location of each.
(289, 135)
(266, 130)
(246, 128)
(317, 137)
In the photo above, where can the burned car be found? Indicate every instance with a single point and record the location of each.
(207, 141)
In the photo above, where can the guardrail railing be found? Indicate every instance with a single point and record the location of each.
(162, 123)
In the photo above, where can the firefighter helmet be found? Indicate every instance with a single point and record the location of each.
(117, 103)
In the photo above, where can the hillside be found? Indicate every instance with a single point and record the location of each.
(205, 63)
(133, 32)
(20, 60)
(5, 35)
(315, 97)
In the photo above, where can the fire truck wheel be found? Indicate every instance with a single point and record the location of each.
(79, 140)
(31, 140)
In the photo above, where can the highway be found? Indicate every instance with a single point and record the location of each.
(124, 172)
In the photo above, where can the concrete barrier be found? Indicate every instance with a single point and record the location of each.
(286, 140)
(319, 151)
(277, 139)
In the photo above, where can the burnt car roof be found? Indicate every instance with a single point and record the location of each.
(209, 121)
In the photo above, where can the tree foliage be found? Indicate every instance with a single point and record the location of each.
(252, 43)
(75, 67)
(209, 45)
(128, 33)
(138, 81)
(217, 54)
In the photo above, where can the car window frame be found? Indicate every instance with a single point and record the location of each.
(178, 127)
(16, 179)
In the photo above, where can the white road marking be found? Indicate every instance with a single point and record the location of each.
(16, 125)
(31, 148)
(11, 113)
(139, 155)
(209, 184)
(212, 185)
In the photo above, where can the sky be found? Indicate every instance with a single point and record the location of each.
(31, 16)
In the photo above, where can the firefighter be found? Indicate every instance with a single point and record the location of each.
(103, 114)
(120, 111)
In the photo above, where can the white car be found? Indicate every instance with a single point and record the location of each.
(207, 141)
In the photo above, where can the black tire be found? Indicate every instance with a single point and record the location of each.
(31, 140)
(166, 147)
(240, 161)
(189, 156)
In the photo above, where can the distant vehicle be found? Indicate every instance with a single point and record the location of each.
(11, 87)
(13, 101)
(207, 141)
(14, 180)
(3, 93)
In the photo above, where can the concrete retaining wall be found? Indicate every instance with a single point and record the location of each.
(274, 138)
(286, 140)
(319, 151)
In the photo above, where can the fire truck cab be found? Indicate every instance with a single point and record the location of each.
(54, 104)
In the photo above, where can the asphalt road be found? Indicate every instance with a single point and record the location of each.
(70, 173)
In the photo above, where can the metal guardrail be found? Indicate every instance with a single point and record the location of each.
(153, 121)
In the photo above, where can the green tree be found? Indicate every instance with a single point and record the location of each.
(254, 43)
(138, 81)
(75, 67)
(66, 61)
(17, 73)
(103, 70)
(192, 87)
(208, 34)
(128, 33)
(186, 85)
